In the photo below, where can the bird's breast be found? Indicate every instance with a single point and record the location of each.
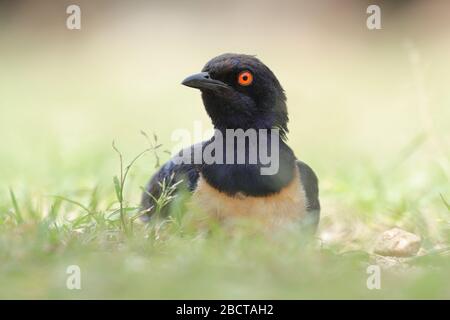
(286, 205)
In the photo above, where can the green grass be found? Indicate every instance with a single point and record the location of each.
(96, 228)
(65, 199)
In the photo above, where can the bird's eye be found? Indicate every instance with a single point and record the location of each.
(245, 78)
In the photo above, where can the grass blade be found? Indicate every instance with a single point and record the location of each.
(72, 202)
(445, 202)
(18, 213)
(117, 188)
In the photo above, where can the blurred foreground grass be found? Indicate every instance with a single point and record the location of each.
(376, 134)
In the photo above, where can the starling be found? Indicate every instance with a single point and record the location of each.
(239, 92)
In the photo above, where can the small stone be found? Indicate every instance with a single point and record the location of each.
(397, 243)
(422, 252)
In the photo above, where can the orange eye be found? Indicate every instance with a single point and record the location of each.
(245, 78)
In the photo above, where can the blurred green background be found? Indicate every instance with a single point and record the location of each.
(369, 111)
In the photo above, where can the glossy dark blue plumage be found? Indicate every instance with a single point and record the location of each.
(261, 105)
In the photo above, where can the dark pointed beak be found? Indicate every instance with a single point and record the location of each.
(203, 80)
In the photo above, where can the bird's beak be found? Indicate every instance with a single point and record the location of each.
(203, 80)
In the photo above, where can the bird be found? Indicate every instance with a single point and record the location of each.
(240, 92)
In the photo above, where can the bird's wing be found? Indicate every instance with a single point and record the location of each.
(311, 187)
(172, 177)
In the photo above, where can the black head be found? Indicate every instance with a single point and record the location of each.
(239, 91)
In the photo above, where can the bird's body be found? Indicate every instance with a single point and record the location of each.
(239, 92)
(288, 204)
